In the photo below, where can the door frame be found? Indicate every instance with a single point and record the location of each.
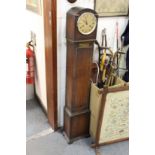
(50, 26)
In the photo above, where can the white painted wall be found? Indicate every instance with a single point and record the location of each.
(35, 23)
(109, 23)
(29, 91)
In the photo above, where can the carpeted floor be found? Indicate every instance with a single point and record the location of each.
(55, 143)
(36, 120)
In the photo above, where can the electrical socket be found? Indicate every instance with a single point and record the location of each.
(33, 38)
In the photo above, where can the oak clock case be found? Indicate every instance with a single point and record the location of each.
(81, 28)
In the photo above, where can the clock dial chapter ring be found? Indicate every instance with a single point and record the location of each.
(86, 23)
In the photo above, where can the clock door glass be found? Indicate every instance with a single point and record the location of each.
(86, 23)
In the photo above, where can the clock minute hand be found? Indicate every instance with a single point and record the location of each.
(86, 21)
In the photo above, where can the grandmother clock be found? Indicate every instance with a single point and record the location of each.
(81, 27)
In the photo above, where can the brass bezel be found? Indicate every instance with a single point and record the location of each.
(92, 28)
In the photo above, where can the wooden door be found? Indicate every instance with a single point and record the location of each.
(50, 33)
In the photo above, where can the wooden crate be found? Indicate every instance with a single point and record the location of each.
(109, 113)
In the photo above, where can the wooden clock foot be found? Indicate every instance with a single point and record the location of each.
(76, 125)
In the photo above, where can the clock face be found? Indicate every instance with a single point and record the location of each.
(86, 23)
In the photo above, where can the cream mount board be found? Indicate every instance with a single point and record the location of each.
(115, 119)
(112, 7)
(109, 108)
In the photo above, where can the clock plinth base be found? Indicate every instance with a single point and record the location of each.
(76, 125)
(70, 141)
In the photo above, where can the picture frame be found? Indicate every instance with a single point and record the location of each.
(109, 107)
(34, 6)
(111, 8)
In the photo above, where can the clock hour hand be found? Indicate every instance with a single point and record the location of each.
(86, 21)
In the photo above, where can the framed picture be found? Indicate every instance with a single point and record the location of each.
(106, 8)
(34, 5)
(109, 120)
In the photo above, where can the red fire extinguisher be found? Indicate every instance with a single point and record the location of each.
(29, 64)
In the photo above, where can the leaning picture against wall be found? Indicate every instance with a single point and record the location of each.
(112, 7)
(34, 5)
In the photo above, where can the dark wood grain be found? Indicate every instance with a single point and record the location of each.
(100, 117)
(71, 1)
(50, 29)
(110, 142)
(78, 74)
(76, 125)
